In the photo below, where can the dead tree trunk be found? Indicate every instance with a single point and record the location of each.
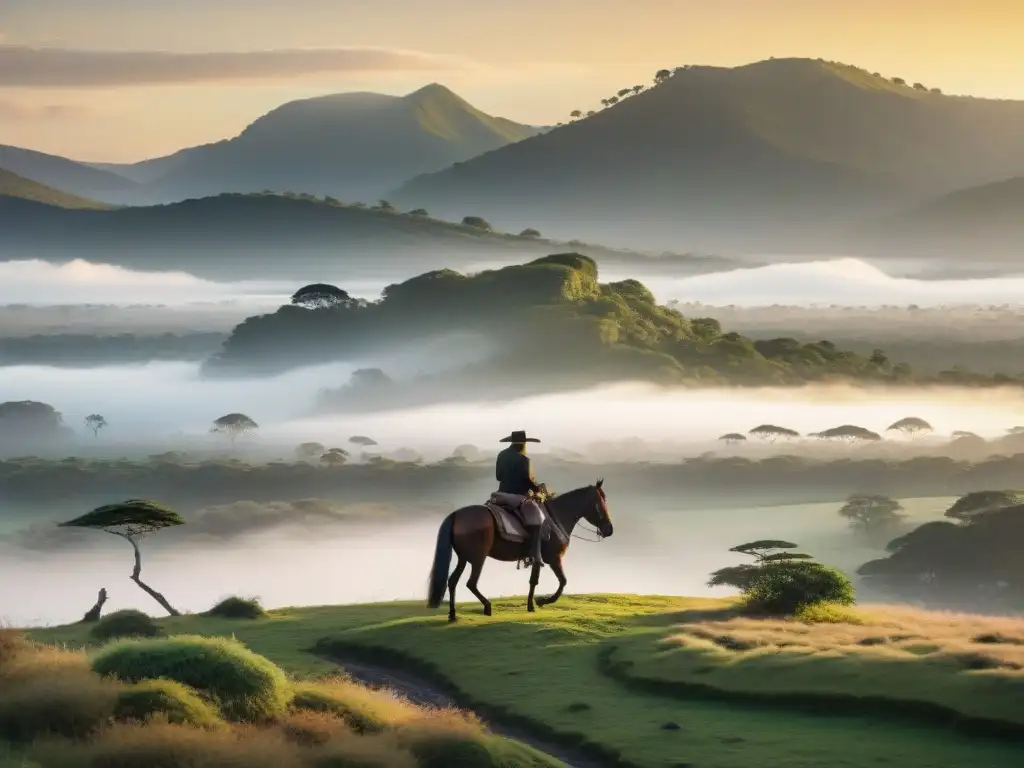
(145, 587)
(93, 614)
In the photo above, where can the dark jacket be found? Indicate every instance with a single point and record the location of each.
(514, 473)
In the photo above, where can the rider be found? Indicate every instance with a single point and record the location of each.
(515, 477)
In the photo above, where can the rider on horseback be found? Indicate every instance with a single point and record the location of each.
(515, 478)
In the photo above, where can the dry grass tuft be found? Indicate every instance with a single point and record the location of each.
(970, 664)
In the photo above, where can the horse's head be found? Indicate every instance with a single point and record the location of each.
(597, 515)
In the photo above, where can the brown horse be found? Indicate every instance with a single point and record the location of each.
(471, 533)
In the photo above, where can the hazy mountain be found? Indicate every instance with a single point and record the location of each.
(355, 146)
(147, 171)
(778, 154)
(14, 186)
(980, 222)
(68, 175)
(236, 236)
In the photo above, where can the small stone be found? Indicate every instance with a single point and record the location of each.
(670, 727)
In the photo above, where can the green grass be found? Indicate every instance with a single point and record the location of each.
(550, 671)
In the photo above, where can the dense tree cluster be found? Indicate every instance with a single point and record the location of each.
(554, 311)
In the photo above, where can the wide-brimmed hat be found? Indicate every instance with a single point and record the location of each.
(519, 436)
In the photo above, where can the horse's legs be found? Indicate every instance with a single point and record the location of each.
(534, 578)
(556, 568)
(453, 582)
(475, 568)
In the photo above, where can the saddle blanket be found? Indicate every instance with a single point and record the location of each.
(510, 525)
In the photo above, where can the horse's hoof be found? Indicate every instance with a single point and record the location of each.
(530, 609)
(487, 610)
(451, 619)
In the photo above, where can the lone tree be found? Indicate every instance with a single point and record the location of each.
(309, 451)
(233, 425)
(969, 506)
(321, 296)
(959, 433)
(530, 232)
(849, 433)
(476, 223)
(95, 422)
(362, 441)
(733, 438)
(661, 76)
(131, 520)
(771, 432)
(418, 212)
(911, 426)
(874, 516)
(334, 457)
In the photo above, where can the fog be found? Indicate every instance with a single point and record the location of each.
(653, 551)
(158, 400)
(845, 281)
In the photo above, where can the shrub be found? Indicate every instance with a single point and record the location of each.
(365, 710)
(246, 686)
(164, 698)
(788, 590)
(237, 608)
(446, 745)
(477, 223)
(127, 623)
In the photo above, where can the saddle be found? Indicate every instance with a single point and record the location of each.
(508, 520)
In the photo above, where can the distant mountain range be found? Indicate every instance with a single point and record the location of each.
(354, 146)
(778, 155)
(784, 156)
(235, 236)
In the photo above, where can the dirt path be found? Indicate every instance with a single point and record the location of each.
(422, 692)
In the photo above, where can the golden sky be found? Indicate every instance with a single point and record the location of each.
(121, 80)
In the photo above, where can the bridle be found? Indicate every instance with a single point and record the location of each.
(600, 513)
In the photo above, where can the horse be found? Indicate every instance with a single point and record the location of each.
(471, 533)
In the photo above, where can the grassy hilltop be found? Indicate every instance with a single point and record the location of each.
(14, 186)
(664, 682)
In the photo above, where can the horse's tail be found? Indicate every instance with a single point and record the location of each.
(442, 562)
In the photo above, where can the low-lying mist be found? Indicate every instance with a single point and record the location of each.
(654, 551)
(158, 401)
(842, 281)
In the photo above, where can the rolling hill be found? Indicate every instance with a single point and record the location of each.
(60, 173)
(781, 154)
(983, 222)
(356, 146)
(17, 187)
(273, 236)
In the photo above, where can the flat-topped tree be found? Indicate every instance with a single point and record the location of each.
(911, 426)
(95, 422)
(233, 425)
(362, 441)
(321, 296)
(772, 432)
(762, 548)
(732, 438)
(309, 451)
(873, 514)
(849, 433)
(334, 457)
(132, 520)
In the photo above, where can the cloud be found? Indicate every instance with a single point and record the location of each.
(12, 111)
(38, 67)
(838, 281)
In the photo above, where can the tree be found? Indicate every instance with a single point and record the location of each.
(362, 440)
(762, 548)
(604, 103)
(771, 432)
(25, 418)
(849, 433)
(321, 296)
(624, 93)
(95, 422)
(591, 113)
(969, 506)
(637, 89)
(661, 76)
(384, 205)
(530, 233)
(467, 452)
(309, 451)
(937, 91)
(233, 425)
(576, 114)
(874, 516)
(334, 457)
(613, 100)
(332, 200)
(899, 81)
(132, 520)
(911, 426)
(919, 87)
(419, 212)
(732, 438)
(959, 433)
(476, 222)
